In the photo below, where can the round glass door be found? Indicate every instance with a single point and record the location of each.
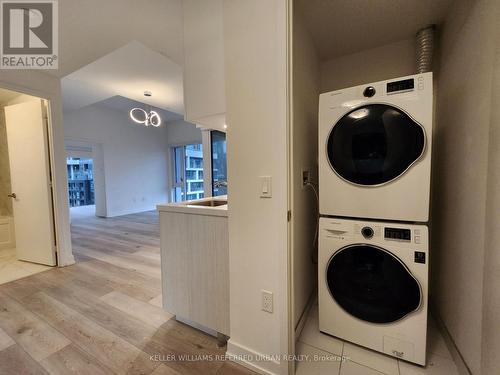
(374, 144)
(372, 284)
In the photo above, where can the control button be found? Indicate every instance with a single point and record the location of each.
(367, 232)
(369, 91)
(421, 86)
(417, 239)
(419, 257)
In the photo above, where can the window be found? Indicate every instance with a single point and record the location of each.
(191, 175)
(188, 172)
(219, 163)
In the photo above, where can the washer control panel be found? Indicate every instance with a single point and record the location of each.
(405, 235)
(367, 232)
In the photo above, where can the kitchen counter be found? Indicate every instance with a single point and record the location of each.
(212, 206)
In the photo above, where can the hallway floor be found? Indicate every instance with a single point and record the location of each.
(13, 269)
(82, 212)
(361, 361)
(102, 315)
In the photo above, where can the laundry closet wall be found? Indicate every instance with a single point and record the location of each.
(255, 59)
(464, 252)
(304, 149)
(372, 65)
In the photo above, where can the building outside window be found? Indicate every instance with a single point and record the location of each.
(219, 163)
(80, 182)
(188, 169)
(188, 172)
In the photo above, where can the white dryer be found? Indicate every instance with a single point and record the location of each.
(373, 280)
(375, 150)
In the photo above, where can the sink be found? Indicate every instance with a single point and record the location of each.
(208, 203)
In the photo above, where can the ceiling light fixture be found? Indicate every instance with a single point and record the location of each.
(146, 118)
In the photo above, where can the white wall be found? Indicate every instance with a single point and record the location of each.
(305, 91)
(376, 64)
(6, 208)
(255, 36)
(135, 157)
(491, 294)
(42, 85)
(466, 183)
(182, 132)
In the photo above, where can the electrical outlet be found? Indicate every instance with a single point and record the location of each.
(267, 301)
(306, 176)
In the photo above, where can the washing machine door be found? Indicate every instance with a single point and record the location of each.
(371, 284)
(374, 144)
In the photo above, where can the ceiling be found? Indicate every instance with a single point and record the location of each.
(127, 72)
(125, 105)
(7, 95)
(91, 29)
(340, 27)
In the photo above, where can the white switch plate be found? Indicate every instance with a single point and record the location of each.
(265, 187)
(267, 301)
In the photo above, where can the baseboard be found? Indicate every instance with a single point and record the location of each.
(249, 359)
(462, 367)
(130, 211)
(305, 314)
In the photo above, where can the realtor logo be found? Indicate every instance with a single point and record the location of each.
(28, 37)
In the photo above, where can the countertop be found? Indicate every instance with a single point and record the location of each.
(191, 207)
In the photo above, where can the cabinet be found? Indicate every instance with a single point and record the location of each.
(195, 263)
(204, 92)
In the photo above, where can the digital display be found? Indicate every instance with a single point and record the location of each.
(407, 84)
(397, 234)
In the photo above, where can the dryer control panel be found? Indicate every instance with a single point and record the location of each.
(398, 86)
(397, 234)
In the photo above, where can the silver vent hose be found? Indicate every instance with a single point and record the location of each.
(425, 49)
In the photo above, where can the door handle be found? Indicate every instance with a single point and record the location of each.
(13, 195)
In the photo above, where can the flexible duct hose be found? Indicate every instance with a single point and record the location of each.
(425, 49)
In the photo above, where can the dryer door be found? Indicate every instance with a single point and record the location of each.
(374, 144)
(371, 284)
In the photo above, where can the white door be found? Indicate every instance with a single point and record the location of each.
(29, 168)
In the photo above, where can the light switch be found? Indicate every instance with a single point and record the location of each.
(265, 186)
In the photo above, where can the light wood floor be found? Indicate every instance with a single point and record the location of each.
(102, 315)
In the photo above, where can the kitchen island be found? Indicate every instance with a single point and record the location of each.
(195, 263)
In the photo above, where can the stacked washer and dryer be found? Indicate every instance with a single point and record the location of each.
(374, 179)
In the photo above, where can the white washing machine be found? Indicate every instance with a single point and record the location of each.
(373, 279)
(375, 150)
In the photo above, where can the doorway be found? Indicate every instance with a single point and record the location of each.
(27, 231)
